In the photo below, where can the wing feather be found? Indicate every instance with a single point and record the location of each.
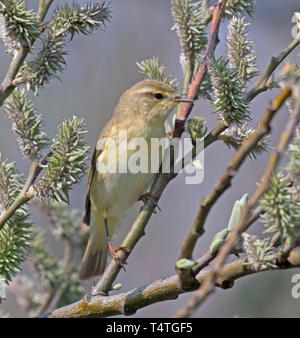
(87, 215)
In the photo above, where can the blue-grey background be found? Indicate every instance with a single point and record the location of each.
(99, 69)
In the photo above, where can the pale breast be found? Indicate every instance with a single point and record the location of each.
(117, 191)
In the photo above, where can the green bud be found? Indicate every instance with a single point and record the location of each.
(196, 127)
(185, 264)
(237, 211)
(244, 200)
(218, 240)
(235, 215)
(152, 69)
(117, 286)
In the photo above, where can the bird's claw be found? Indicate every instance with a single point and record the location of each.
(115, 256)
(149, 197)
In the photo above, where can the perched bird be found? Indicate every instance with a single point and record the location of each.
(141, 112)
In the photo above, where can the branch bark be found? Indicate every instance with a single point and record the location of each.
(163, 289)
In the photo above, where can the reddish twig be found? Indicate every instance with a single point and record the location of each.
(202, 70)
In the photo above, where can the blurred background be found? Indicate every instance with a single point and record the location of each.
(100, 68)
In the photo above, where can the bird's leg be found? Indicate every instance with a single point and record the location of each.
(170, 134)
(149, 197)
(113, 250)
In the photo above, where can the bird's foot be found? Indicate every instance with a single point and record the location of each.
(170, 134)
(149, 197)
(113, 251)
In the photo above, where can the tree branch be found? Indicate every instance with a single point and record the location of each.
(27, 192)
(163, 289)
(196, 83)
(7, 85)
(262, 84)
(43, 8)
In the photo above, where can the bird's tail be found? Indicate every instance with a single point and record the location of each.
(95, 257)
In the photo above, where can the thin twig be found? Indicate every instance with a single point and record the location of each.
(67, 261)
(43, 8)
(27, 192)
(202, 70)
(262, 83)
(7, 85)
(45, 305)
(56, 293)
(205, 259)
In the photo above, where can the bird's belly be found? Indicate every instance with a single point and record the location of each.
(117, 192)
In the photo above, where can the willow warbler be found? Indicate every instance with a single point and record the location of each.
(141, 113)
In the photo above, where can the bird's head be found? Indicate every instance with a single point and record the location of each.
(153, 99)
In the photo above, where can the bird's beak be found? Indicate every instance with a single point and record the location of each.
(183, 99)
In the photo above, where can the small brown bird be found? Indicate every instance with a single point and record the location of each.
(141, 112)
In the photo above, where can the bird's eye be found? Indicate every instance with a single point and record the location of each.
(158, 96)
